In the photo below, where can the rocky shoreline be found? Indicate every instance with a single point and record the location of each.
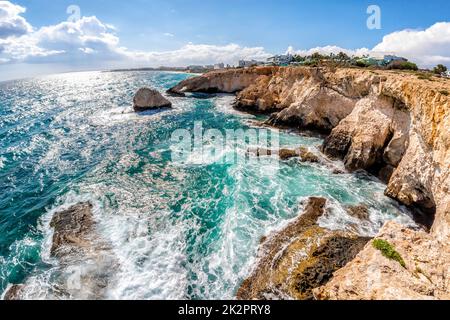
(81, 254)
(300, 258)
(391, 124)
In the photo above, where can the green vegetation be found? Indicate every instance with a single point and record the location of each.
(362, 63)
(425, 76)
(388, 251)
(342, 59)
(341, 56)
(311, 63)
(403, 65)
(439, 69)
(444, 92)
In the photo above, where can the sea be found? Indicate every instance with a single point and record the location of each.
(176, 228)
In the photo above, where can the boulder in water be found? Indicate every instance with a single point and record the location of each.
(147, 99)
(73, 229)
(82, 252)
(360, 212)
(13, 293)
(285, 154)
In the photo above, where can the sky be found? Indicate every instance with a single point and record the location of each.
(48, 36)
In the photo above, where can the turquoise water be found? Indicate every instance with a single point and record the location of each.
(176, 230)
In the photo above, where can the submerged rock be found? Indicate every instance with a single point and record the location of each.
(72, 229)
(361, 211)
(285, 154)
(79, 248)
(419, 271)
(301, 257)
(307, 156)
(85, 261)
(13, 292)
(147, 99)
(303, 153)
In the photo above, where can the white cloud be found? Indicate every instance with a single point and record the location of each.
(91, 42)
(87, 50)
(111, 27)
(425, 47)
(199, 54)
(328, 50)
(11, 23)
(66, 41)
(428, 47)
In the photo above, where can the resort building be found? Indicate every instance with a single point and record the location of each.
(391, 58)
(281, 60)
(249, 63)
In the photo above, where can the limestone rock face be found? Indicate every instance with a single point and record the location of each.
(225, 81)
(147, 99)
(299, 258)
(366, 137)
(412, 182)
(316, 110)
(372, 276)
(77, 244)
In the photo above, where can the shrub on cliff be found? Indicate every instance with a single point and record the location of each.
(311, 63)
(402, 65)
(425, 76)
(388, 251)
(361, 63)
(341, 56)
(299, 58)
(439, 69)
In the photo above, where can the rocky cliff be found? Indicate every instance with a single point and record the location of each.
(393, 124)
(229, 81)
(423, 272)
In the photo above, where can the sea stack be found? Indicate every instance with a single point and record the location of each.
(147, 99)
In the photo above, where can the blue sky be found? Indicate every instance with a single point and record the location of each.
(169, 25)
(272, 24)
